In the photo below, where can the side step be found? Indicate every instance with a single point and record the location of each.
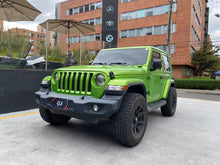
(156, 105)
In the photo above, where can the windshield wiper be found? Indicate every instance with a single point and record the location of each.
(118, 63)
(99, 63)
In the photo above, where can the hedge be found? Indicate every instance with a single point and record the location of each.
(197, 84)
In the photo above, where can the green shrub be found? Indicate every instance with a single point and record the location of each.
(208, 84)
(201, 78)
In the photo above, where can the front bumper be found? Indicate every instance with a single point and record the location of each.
(81, 107)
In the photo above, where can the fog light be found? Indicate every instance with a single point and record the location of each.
(95, 108)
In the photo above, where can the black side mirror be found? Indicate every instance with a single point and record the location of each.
(157, 64)
(90, 62)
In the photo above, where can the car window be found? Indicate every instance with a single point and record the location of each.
(137, 56)
(155, 55)
(166, 63)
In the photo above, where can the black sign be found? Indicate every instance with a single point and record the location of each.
(110, 22)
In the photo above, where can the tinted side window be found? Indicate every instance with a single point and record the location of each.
(166, 63)
(155, 55)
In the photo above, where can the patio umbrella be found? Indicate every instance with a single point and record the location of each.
(17, 10)
(68, 27)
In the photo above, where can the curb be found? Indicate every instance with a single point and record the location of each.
(208, 92)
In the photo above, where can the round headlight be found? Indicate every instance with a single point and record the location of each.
(100, 80)
(56, 77)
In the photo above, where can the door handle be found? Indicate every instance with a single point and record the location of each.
(161, 77)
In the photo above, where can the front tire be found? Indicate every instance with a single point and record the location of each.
(130, 123)
(52, 118)
(170, 108)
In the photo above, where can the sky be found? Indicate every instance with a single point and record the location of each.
(47, 7)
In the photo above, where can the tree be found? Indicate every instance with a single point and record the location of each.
(206, 59)
(12, 44)
(85, 59)
(55, 54)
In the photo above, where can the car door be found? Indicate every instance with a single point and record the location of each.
(157, 79)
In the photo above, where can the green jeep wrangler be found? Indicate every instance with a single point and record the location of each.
(122, 84)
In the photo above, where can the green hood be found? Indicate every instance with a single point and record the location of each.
(118, 70)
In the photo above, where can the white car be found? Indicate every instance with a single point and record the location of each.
(31, 61)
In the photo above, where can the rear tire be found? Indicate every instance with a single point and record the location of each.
(52, 118)
(129, 124)
(170, 108)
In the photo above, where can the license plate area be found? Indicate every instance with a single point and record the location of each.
(60, 103)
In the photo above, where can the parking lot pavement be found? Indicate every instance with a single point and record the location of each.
(191, 137)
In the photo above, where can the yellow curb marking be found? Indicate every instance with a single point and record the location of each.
(19, 115)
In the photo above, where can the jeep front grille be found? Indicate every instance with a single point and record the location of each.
(75, 82)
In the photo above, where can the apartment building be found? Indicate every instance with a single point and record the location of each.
(122, 23)
(51, 36)
(33, 37)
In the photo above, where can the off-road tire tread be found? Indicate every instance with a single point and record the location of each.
(120, 127)
(166, 110)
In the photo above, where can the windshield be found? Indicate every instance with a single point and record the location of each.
(136, 56)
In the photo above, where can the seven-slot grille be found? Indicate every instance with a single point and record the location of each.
(75, 82)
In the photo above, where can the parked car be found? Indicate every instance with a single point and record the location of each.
(122, 84)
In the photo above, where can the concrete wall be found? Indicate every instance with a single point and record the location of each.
(17, 88)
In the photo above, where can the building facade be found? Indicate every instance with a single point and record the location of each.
(32, 37)
(122, 23)
(51, 36)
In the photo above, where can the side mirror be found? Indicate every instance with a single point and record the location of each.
(90, 62)
(157, 64)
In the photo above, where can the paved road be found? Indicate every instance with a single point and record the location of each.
(203, 95)
(191, 137)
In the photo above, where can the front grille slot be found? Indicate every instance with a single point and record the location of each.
(75, 82)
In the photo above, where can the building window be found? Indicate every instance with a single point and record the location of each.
(76, 10)
(131, 33)
(132, 15)
(81, 9)
(140, 13)
(124, 1)
(98, 5)
(148, 12)
(148, 31)
(195, 36)
(164, 48)
(92, 6)
(124, 16)
(140, 32)
(86, 8)
(192, 50)
(94, 21)
(87, 38)
(156, 30)
(98, 21)
(187, 72)
(124, 34)
(158, 10)
(196, 17)
(97, 37)
(199, 6)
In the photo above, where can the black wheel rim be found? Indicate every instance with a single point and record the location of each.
(138, 121)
